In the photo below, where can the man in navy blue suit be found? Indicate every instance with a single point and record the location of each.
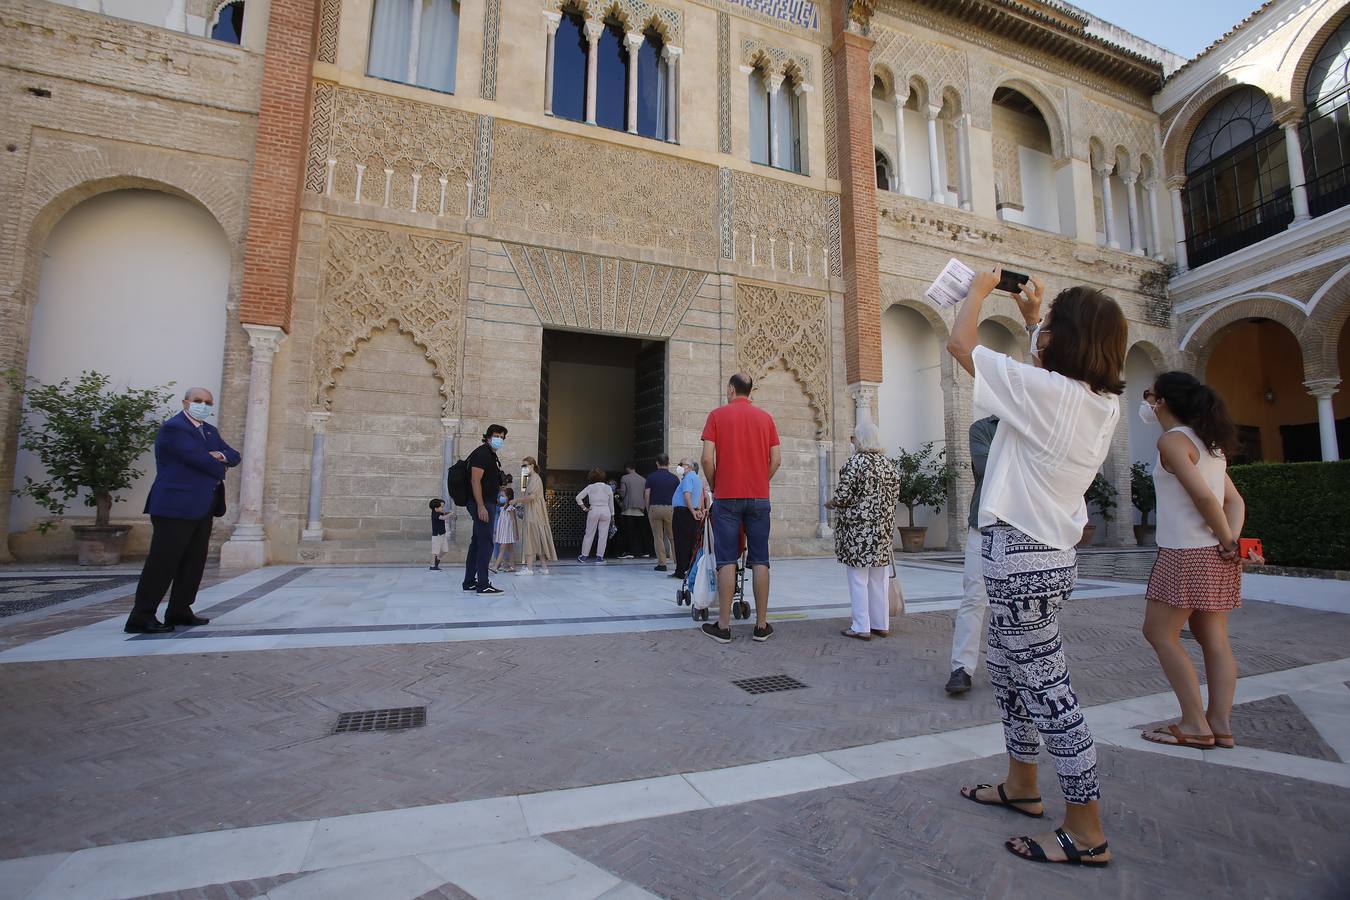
(189, 490)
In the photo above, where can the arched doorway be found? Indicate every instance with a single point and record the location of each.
(1256, 365)
(910, 398)
(133, 284)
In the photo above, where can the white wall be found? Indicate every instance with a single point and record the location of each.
(918, 182)
(590, 416)
(134, 285)
(1139, 375)
(909, 401)
(1040, 191)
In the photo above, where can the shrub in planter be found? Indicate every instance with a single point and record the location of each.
(1101, 494)
(1145, 499)
(924, 479)
(1300, 511)
(87, 436)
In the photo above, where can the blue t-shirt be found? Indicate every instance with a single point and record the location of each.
(662, 484)
(694, 485)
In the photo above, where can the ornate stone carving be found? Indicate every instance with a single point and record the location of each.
(725, 203)
(548, 181)
(361, 128)
(1113, 127)
(330, 13)
(827, 97)
(778, 327)
(907, 55)
(786, 213)
(375, 275)
(636, 15)
(492, 26)
(578, 290)
(723, 82)
(775, 61)
(482, 166)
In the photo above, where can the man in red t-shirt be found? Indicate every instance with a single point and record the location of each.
(740, 455)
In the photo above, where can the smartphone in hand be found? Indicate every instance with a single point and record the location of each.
(1012, 282)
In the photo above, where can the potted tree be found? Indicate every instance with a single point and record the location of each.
(1145, 500)
(87, 436)
(924, 478)
(1101, 494)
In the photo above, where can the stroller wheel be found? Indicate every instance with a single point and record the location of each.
(703, 615)
(741, 609)
(693, 614)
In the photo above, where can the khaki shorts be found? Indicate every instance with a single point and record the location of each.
(440, 544)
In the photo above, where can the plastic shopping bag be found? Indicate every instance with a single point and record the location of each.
(705, 572)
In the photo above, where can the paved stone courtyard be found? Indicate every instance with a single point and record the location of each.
(582, 739)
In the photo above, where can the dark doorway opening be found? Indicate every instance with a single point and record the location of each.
(601, 404)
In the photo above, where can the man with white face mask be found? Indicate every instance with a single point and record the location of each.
(188, 492)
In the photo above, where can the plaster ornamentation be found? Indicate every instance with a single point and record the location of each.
(771, 209)
(1007, 171)
(1113, 127)
(636, 15)
(778, 327)
(330, 14)
(375, 275)
(724, 83)
(776, 62)
(725, 205)
(579, 290)
(482, 165)
(548, 181)
(492, 26)
(906, 56)
(827, 98)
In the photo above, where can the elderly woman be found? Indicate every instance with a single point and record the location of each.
(536, 533)
(864, 533)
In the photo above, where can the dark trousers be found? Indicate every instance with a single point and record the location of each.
(480, 549)
(636, 533)
(686, 531)
(178, 556)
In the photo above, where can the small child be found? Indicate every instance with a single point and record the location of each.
(505, 534)
(439, 543)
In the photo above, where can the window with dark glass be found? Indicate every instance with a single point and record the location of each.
(1237, 178)
(883, 172)
(229, 23)
(611, 78)
(569, 68)
(1326, 124)
(775, 122)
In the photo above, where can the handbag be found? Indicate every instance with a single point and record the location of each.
(897, 599)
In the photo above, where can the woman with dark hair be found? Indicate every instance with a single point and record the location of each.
(1056, 419)
(597, 498)
(1197, 577)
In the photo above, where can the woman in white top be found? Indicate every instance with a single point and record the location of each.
(1197, 577)
(599, 514)
(1056, 419)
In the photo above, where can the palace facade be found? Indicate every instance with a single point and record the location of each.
(373, 227)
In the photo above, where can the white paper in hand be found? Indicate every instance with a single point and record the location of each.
(952, 284)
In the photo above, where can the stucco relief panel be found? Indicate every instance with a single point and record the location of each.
(775, 60)
(375, 275)
(907, 55)
(635, 14)
(1112, 127)
(779, 327)
(774, 214)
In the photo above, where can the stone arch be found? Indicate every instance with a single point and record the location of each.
(1126, 162)
(1152, 351)
(1199, 339)
(1050, 111)
(887, 76)
(1097, 153)
(324, 398)
(1328, 312)
(787, 330)
(928, 312)
(1295, 78)
(918, 87)
(952, 102)
(1148, 169)
(1178, 136)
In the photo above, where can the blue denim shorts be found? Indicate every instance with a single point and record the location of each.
(728, 518)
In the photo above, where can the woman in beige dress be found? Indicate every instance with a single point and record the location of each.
(537, 535)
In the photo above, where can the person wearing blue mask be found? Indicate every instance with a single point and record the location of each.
(485, 480)
(188, 492)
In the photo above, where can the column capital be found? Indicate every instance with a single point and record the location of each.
(774, 82)
(1176, 182)
(264, 339)
(670, 53)
(634, 39)
(593, 30)
(1151, 184)
(318, 421)
(863, 390)
(451, 426)
(931, 112)
(1104, 170)
(1130, 178)
(899, 100)
(553, 17)
(1290, 117)
(1322, 388)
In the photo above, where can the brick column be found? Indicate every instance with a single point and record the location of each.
(858, 208)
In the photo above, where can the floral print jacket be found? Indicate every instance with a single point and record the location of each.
(868, 489)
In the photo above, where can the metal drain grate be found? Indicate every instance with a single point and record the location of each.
(381, 719)
(768, 684)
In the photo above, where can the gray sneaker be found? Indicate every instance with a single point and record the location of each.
(959, 683)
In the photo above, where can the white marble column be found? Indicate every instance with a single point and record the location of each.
(593, 32)
(672, 58)
(551, 22)
(633, 41)
(963, 161)
(823, 529)
(938, 193)
(1323, 389)
(247, 547)
(864, 394)
(1174, 186)
(1132, 211)
(772, 84)
(1154, 232)
(900, 185)
(1108, 212)
(1293, 148)
(318, 423)
(176, 19)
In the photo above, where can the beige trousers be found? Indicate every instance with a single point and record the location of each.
(663, 531)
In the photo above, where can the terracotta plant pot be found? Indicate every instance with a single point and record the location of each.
(1088, 530)
(912, 539)
(1144, 535)
(100, 545)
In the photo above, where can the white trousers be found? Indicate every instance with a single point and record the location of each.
(970, 617)
(867, 592)
(597, 528)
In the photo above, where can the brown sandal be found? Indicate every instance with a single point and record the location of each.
(1179, 739)
(1224, 741)
(849, 632)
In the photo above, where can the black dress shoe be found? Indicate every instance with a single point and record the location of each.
(188, 619)
(151, 627)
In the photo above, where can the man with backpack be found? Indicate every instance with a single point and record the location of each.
(484, 478)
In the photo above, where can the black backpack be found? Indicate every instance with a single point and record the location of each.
(457, 483)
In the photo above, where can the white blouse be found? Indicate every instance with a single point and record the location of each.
(1053, 436)
(1180, 525)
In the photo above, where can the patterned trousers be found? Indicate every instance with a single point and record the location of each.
(1027, 583)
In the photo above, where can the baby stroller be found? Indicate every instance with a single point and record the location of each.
(684, 594)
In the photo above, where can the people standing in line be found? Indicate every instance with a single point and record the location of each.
(864, 531)
(687, 513)
(1197, 577)
(187, 494)
(537, 533)
(440, 544)
(634, 530)
(505, 534)
(741, 453)
(974, 599)
(660, 497)
(597, 498)
(485, 479)
(1056, 419)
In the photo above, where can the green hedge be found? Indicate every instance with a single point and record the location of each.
(1300, 511)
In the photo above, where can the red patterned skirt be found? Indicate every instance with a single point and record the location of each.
(1197, 578)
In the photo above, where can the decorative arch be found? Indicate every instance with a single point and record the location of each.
(1040, 98)
(636, 15)
(1152, 351)
(1296, 76)
(1193, 111)
(1126, 162)
(887, 76)
(930, 314)
(952, 102)
(778, 327)
(324, 399)
(918, 87)
(1261, 305)
(1097, 154)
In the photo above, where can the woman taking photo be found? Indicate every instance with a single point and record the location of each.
(536, 533)
(597, 498)
(864, 532)
(1197, 577)
(1056, 419)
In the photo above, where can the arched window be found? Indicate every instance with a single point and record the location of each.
(229, 23)
(1326, 125)
(611, 78)
(775, 121)
(759, 117)
(651, 86)
(415, 42)
(569, 68)
(883, 172)
(787, 112)
(1237, 178)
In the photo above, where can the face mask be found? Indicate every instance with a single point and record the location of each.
(495, 443)
(1147, 413)
(501, 499)
(1036, 343)
(524, 471)
(199, 411)
(679, 471)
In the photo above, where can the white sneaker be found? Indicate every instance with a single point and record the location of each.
(600, 562)
(543, 570)
(524, 570)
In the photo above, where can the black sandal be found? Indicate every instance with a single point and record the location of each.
(1003, 801)
(1072, 855)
